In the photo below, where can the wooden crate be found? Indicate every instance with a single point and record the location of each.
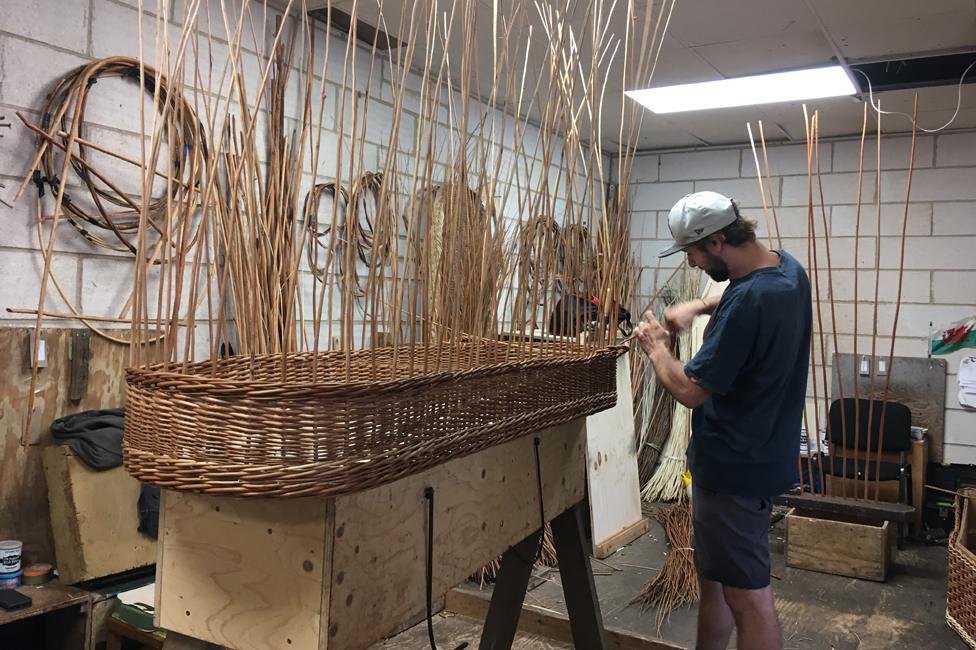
(846, 548)
(94, 517)
(346, 572)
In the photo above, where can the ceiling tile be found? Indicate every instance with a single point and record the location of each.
(841, 12)
(682, 66)
(777, 52)
(726, 125)
(905, 36)
(703, 22)
(929, 99)
(838, 116)
(657, 133)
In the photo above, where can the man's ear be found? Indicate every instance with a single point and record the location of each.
(715, 243)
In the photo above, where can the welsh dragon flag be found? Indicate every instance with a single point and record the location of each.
(961, 334)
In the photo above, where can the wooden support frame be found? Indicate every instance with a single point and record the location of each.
(501, 620)
(572, 551)
(544, 622)
(347, 572)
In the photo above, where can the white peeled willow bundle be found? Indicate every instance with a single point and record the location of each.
(666, 484)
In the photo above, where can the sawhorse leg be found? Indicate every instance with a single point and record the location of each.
(572, 551)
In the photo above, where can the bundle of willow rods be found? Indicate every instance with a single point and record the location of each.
(360, 225)
(465, 256)
(665, 483)
(317, 237)
(676, 584)
(422, 257)
(86, 194)
(653, 407)
(653, 417)
(98, 222)
(540, 241)
(821, 270)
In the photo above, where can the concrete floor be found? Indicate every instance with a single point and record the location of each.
(450, 631)
(817, 611)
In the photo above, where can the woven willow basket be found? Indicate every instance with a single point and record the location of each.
(961, 591)
(273, 426)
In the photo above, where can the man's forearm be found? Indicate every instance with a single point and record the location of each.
(670, 372)
(709, 304)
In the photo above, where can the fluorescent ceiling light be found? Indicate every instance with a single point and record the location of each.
(811, 83)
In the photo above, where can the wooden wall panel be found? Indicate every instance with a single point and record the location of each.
(916, 382)
(23, 490)
(94, 517)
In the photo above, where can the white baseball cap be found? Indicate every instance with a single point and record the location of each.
(697, 216)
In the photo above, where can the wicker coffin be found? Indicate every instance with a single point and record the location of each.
(961, 591)
(289, 426)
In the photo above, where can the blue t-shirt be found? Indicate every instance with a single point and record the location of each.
(754, 360)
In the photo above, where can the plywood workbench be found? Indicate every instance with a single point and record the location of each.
(346, 572)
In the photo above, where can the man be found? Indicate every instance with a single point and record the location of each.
(747, 388)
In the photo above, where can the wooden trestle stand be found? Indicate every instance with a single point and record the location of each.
(345, 572)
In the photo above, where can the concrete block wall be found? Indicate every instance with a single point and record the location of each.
(41, 40)
(939, 283)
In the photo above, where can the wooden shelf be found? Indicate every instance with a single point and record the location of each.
(47, 598)
(58, 619)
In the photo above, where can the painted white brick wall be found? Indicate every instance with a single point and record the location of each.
(700, 164)
(940, 252)
(41, 40)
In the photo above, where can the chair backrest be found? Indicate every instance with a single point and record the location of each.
(897, 424)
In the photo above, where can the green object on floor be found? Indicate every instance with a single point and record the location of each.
(137, 615)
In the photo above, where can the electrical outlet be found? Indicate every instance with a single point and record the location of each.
(865, 366)
(882, 366)
(41, 351)
(336, 342)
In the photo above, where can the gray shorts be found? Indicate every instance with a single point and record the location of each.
(731, 538)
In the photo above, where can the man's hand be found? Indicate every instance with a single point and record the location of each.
(679, 317)
(651, 334)
(656, 342)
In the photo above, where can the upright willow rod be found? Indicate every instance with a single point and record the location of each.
(833, 314)
(894, 324)
(759, 180)
(812, 255)
(874, 328)
(857, 241)
(769, 186)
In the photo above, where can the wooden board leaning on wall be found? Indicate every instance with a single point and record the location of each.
(23, 492)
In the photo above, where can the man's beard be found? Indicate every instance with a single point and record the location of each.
(716, 268)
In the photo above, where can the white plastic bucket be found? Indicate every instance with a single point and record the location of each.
(10, 550)
(11, 580)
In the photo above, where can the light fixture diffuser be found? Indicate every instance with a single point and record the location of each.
(794, 85)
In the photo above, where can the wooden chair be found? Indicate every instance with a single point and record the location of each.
(855, 423)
